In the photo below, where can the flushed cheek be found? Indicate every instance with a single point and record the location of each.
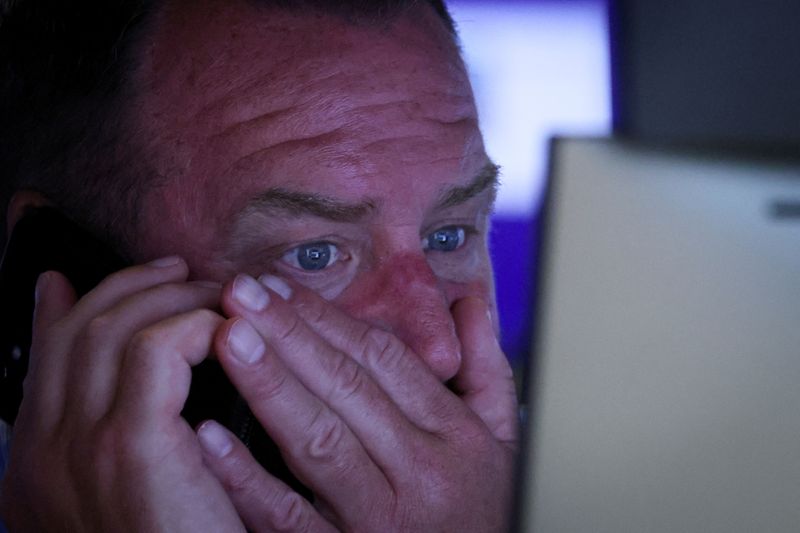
(387, 299)
(388, 294)
(462, 266)
(407, 300)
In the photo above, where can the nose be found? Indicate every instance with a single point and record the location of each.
(404, 297)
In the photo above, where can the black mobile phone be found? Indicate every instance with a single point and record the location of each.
(45, 239)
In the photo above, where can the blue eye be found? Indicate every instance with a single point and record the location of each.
(444, 240)
(312, 256)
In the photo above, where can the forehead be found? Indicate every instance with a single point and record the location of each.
(217, 60)
(237, 98)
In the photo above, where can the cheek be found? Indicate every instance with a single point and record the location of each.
(465, 265)
(461, 276)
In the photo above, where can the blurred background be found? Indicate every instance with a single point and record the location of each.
(718, 74)
(649, 441)
(538, 68)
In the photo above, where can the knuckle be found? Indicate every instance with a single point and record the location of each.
(204, 315)
(381, 350)
(327, 435)
(157, 337)
(288, 511)
(145, 342)
(239, 479)
(291, 513)
(347, 377)
(289, 328)
(272, 385)
(314, 312)
(447, 420)
(98, 328)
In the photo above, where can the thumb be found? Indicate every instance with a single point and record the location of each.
(485, 380)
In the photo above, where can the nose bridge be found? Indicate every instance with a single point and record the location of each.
(407, 299)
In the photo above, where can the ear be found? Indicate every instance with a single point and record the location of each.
(20, 203)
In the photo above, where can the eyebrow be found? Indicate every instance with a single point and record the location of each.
(312, 204)
(329, 208)
(487, 178)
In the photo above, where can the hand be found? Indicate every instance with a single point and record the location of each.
(99, 444)
(362, 421)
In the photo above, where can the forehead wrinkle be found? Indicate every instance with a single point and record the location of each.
(333, 140)
(340, 114)
(245, 103)
(292, 83)
(255, 156)
(250, 123)
(285, 128)
(487, 178)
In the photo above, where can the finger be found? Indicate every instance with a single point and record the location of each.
(263, 502)
(156, 368)
(316, 443)
(94, 372)
(54, 298)
(124, 283)
(54, 344)
(331, 375)
(485, 380)
(404, 377)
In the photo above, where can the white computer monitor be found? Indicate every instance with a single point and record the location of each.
(665, 394)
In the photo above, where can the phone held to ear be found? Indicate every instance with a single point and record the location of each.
(45, 239)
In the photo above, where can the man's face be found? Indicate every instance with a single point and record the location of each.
(345, 158)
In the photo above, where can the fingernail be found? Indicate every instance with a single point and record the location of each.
(250, 293)
(214, 439)
(165, 261)
(245, 342)
(277, 285)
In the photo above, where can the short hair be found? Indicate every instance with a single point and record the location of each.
(66, 76)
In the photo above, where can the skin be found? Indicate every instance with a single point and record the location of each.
(389, 119)
(380, 376)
